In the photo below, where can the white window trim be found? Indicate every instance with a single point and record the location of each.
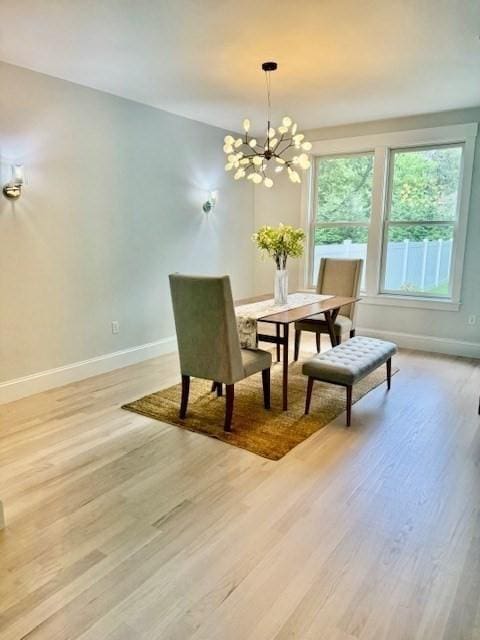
(381, 144)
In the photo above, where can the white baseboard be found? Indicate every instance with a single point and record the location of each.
(44, 380)
(425, 343)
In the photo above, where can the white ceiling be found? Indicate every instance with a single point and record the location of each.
(340, 61)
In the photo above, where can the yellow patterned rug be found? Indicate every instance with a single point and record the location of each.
(270, 434)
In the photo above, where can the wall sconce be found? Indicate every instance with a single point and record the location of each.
(13, 189)
(209, 205)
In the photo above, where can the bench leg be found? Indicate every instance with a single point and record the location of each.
(309, 395)
(349, 404)
(389, 373)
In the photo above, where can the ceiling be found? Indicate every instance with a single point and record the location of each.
(340, 61)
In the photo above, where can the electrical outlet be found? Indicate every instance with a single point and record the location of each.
(115, 326)
(472, 319)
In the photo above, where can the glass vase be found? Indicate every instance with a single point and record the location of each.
(281, 286)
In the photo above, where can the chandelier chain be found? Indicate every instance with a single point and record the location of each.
(269, 104)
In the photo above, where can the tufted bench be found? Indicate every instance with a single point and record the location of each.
(347, 364)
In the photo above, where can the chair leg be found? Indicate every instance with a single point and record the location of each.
(339, 339)
(298, 335)
(214, 387)
(219, 389)
(266, 388)
(352, 333)
(309, 395)
(317, 340)
(389, 373)
(185, 391)
(229, 409)
(349, 405)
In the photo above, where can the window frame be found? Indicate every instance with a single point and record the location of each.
(313, 218)
(382, 145)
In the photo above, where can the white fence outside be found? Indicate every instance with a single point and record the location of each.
(411, 266)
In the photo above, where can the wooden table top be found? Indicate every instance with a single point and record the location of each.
(299, 313)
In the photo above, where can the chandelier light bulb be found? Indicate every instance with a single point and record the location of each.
(253, 160)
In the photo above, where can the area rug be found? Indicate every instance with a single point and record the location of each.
(270, 434)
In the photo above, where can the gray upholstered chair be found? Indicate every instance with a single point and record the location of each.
(339, 277)
(208, 342)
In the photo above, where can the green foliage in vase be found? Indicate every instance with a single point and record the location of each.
(280, 243)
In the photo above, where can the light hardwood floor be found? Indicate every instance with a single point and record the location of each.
(123, 528)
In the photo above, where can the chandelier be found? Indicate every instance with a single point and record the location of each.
(252, 159)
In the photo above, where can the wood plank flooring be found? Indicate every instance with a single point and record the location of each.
(123, 528)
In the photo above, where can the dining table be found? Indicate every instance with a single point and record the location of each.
(329, 306)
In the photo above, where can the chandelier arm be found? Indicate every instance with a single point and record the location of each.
(252, 155)
(285, 149)
(289, 143)
(280, 141)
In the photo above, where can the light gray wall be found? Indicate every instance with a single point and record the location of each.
(281, 203)
(112, 205)
(273, 207)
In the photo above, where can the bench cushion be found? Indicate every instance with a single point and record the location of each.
(350, 361)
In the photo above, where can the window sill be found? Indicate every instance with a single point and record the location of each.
(386, 300)
(411, 302)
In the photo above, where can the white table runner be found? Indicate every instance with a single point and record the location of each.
(248, 314)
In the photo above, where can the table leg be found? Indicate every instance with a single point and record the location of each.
(331, 328)
(285, 367)
(278, 341)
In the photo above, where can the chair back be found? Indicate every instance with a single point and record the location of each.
(341, 277)
(208, 342)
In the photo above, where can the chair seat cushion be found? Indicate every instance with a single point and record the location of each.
(317, 323)
(255, 360)
(350, 361)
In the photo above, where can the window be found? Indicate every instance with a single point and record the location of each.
(420, 220)
(399, 201)
(343, 208)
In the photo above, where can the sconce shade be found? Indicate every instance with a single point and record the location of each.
(13, 189)
(209, 204)
(17, 173)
